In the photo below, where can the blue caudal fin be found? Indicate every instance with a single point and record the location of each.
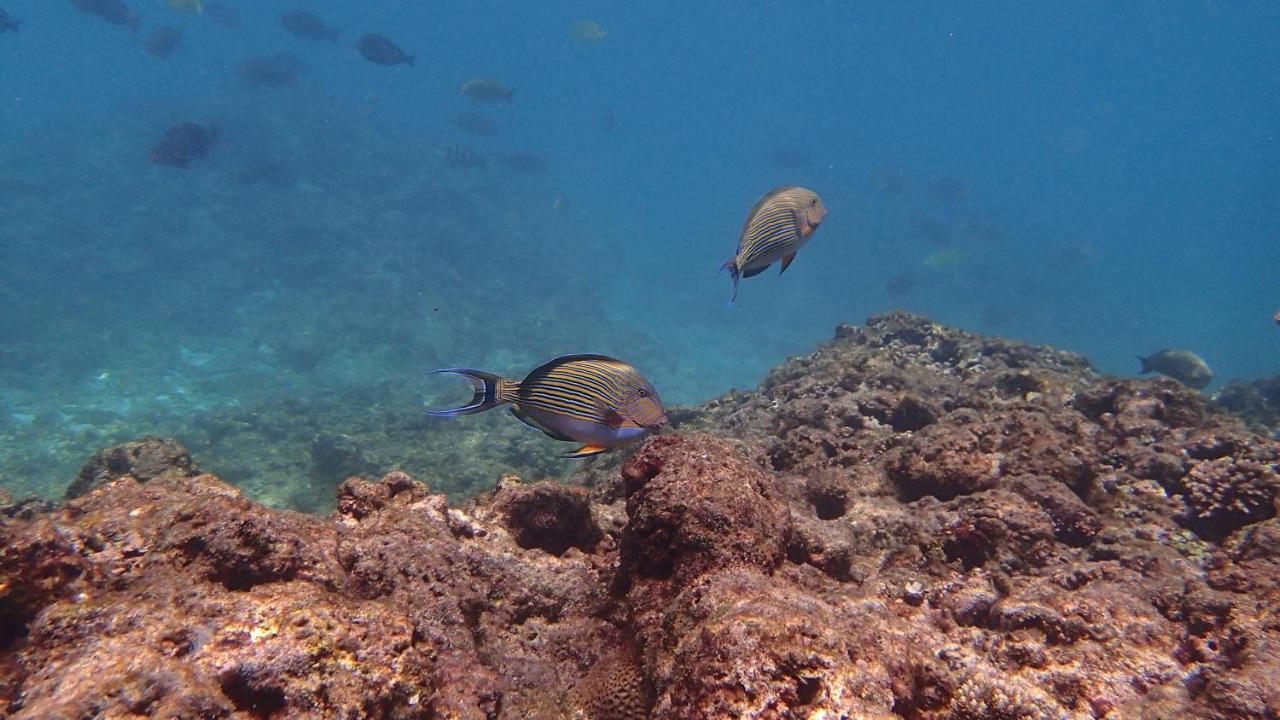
(486, 392)
(732, 267)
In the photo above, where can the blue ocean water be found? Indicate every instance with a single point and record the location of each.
(1103, 177)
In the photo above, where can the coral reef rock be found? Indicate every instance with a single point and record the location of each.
(912, 522)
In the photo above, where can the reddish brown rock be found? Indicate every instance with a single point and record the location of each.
(694, 506)
(911, 522)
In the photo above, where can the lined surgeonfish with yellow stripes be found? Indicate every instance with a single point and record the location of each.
(778, 225)
(596, 400)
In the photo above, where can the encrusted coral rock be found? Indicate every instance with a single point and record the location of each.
(548, 515)
(911, 522)
(694, 505)
(142, 460)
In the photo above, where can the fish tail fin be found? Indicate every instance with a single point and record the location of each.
(1146, 365)
(732, 266)
(490, 391)
(410, 59)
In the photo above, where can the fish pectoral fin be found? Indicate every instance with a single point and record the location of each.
(585, 451)
(522, 417)
(786, 262)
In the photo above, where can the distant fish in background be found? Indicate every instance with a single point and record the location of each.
(608, 122)
(8, 23)
(525, 163)
(461, 156)
(946, 260)
(487, 90)
(182, 144)
(1182, 365)
(587, 32)
(223, 14)
(114, 12)
(475, 124)
(596, 400)
(381, 51)
(194, 7)
(163, 42)
(778, 225)
(308, 26)
(273, 71)
(1276, 317)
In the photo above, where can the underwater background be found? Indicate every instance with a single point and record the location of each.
(1102, 177)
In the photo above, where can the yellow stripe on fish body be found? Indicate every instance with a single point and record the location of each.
(777, 226)
(589, 388)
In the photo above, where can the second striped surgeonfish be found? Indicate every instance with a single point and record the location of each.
(596, 400)
(778, 225)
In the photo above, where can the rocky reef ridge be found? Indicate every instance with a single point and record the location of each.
(912, 522)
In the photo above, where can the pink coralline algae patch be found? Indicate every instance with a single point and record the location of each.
(911, 522)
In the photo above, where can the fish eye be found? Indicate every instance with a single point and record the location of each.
(642, 392)
(813, 202)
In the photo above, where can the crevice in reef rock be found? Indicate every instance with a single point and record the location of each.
(911, 522)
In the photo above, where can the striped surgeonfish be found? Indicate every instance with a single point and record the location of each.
(592, 399)
(778, 225)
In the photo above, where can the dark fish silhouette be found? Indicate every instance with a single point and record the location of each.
(526, 163)
(461, 156)
(779, 224)
(163, 42)
(182, 144)
(223, 14)
(8, 23)
(487, 90)
(592, 399)
(274, 71)
(475, 124)
(114, 12)
(1182, 365)
(308, 26)
(377, 49)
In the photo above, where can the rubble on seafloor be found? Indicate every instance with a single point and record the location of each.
(911, 522)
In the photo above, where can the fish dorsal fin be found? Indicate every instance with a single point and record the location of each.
(756, 208)
(547, 366)
(786, 262)
(524, 418)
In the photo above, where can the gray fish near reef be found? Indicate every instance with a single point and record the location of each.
(163, 42)
(487, 90)
(274, 71)
(475, 124)
(596, 400)
(308, 26)
(379, 50)
(777, 227)
(114, 12)
(182, 144)
(1182, 365)
(8, 23)
(223, 14)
